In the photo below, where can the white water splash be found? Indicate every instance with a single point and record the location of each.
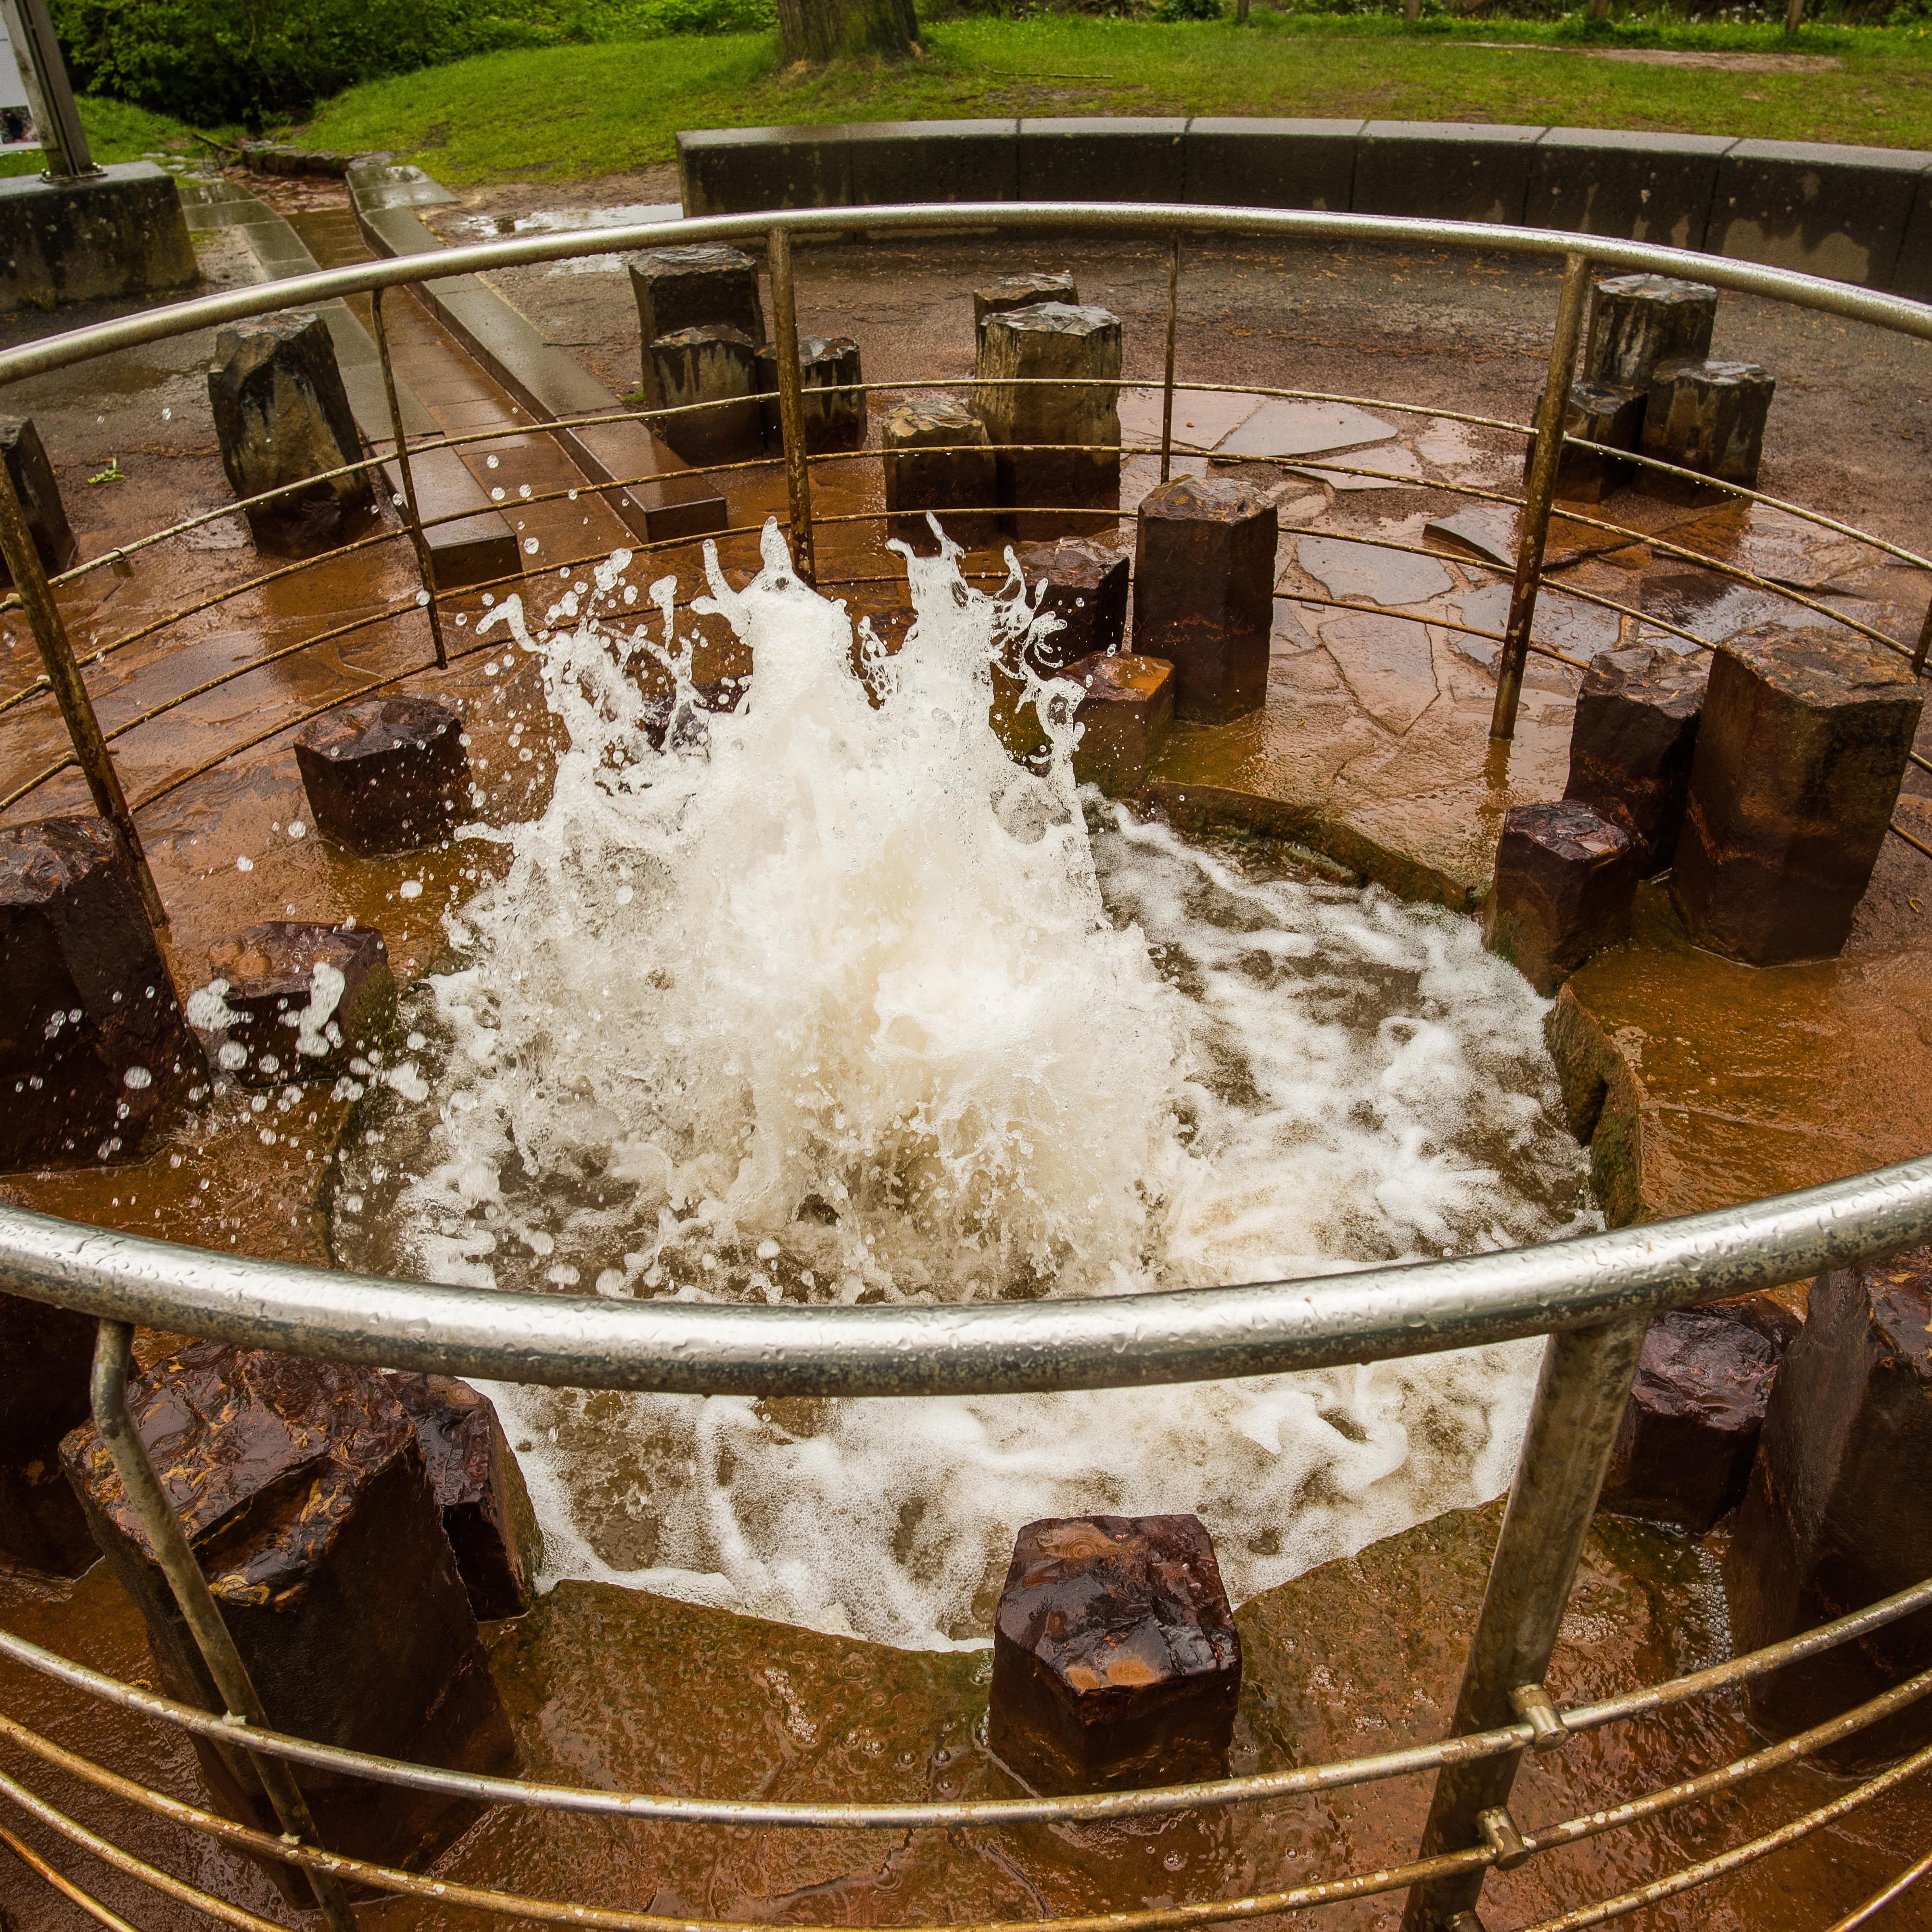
(829, 999)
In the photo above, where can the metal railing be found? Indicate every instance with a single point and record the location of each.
(1591, 1296)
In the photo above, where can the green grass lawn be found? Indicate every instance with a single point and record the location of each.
(572, 111)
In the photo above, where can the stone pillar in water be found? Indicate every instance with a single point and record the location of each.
(1122, 719)
(1710, 417)
(1204, 593)
(1566, 876)
(717, 365)
(1631, 745)
(39, 492)
(1045, 487)
(1638, 321)
(1116, 1662)
(1012, 291)
(274, 1028)
(281, 414)
(95, 1052)
(936, 459)
(45, 1356)
(1801, 750)
(387, 774)
(832, 396)
(1084, 584)
(302, 1490)
(703, 286)
(1837, 1515)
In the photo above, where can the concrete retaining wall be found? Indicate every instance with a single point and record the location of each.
(1861, 215)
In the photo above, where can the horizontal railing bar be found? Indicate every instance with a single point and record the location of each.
(65, 1885)
(1880, 1899)
(1194, 1334)
(1917, 844)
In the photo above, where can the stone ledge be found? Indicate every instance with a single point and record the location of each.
(120, 232)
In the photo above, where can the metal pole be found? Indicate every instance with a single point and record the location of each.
(1924, 644)
(1541, 491)
(1580, 1394)
(113, 1343)
(791, 406)
(425, 563)
(49, 93)
(1167, 392)
(83, 727)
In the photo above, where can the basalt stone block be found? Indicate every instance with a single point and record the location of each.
(1641, 185)
(1102, 157)
(1835, 1516)
(292, 1000)
(717, 366)
(937, 460)
(831, 395)
(33, 484)
(1683, 1448)
(1204, 593)
(1566, 876)
(1125, 716)
(282, 415)
(387, 775)
(1047, 487)
(738, 170)
(45, 1355)
(706, 285)
(1238, 162)
(95, 1053)
(1116, 1662)
(1638, 321)
(1801, 749)
(301, 1487)
(1608, 418)
(1084, 584)
(894, 161)
(1633, 741)
(1012, 291)
(474, 1477)
(1709, 417)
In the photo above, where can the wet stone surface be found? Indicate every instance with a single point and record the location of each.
(1566, 878)
(33, 478)
(1116, 1661)
(1020, 291)
(1709, 416)
(936, 460)
(712, 373)
(1631, 746)
(1598, 413)
(831, 402)
(1123, 719)
(386, 775)
(1638, 321)
(45, 1354)
(695, 287)
(283, 1019)
(1084, 584)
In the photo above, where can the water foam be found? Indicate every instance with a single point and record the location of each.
(828, 999)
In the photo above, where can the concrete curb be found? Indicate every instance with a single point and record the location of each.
(1859, 215)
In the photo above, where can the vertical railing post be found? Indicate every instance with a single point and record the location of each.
(1545, 455)
(1167, 389)
(1924, 644)
(1580, 1394)
(791, 405)
(425, 563)
(113, 1345)
(49, 92)
(83, 727)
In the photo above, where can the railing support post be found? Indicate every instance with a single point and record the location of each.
(1924, 644)
(112, 1348)
(83, 727)
(1580, 1394)
(425, 563)
(1167, 391)
(791, 405)
(1541, 492)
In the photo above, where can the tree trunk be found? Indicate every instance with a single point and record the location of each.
(823, 30)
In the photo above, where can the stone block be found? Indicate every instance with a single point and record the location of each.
(1566, 876)
(95, 1053)
(1817, 206)
(1801, 750)
(1125, 715)
(1443, 170)
(34, 483)
(45, 1353)
(937, 459)
(1239, 163)
(1683, 1448)
(718, 366)
(291, 1001)
(1045, 488)
(1612, 419)
(474, 1477)
(281, 414)
(1631, 744)
(1084, 584)
(1022, 291)
(1710, 417)
(740, 170)
(1835, 1516)
(1103, 157)
(119, 233)
(1641, 186)
(1638, 321)
(1116, 1662)
(1912, 274)
(706, 285)
(301, 1488)
(1204, 593)
(832, 399)
(897, 161)
(387, 775)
